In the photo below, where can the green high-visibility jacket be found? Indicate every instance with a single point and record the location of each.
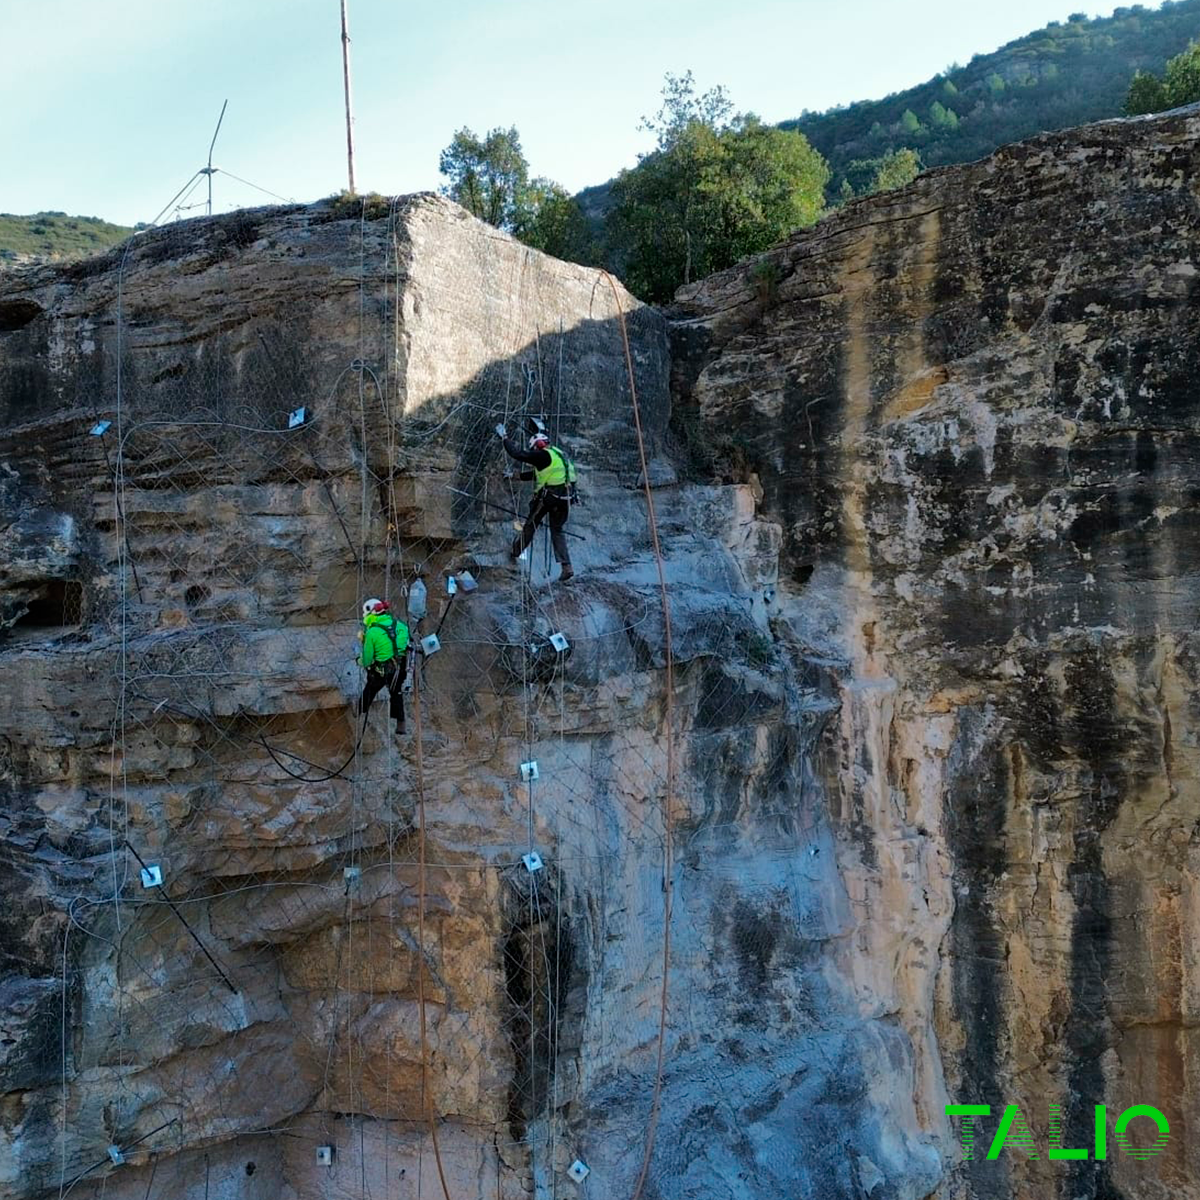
(378, 631)
(560, 471)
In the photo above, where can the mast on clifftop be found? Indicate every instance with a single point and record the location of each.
(210, 170)
(346, 77)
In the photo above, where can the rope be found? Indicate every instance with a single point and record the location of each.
(668, 816)
(426, 1091)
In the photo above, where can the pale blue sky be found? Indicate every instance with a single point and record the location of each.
(108, 105)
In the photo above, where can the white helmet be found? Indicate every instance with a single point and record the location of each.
(539, 441)
(373, 606)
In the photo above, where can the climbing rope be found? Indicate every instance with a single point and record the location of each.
(668, 805)
(426, 1088)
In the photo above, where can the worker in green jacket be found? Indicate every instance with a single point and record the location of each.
(553, 475)
(385, 657)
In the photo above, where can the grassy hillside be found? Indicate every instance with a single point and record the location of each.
(1069, 73)
(54, 235)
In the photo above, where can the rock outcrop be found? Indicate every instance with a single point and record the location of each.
(922, 479)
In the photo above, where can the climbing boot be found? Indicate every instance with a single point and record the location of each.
(568, 573)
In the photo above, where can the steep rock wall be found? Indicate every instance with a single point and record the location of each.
(973, 407)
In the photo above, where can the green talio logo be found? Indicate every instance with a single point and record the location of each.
(1014, 1131)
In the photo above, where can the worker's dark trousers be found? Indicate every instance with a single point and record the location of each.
(390, 677)
(546, 505)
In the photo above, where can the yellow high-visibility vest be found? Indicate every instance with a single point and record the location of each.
(560, 471)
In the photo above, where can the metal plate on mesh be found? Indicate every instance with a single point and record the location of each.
(99, 429)
(451, 585)
(559, 642)
(579, 1170)
(296, 418)
(152, 875)
(430, 644)
(352, 874)
(529, 771)
(116, 1155)
(466, 581)
(325, 1156)
(532, 861)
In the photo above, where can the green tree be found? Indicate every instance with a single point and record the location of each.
(909, 122)
(896, 169)
(716, 188)
(1182, 81)
(487, 176)
(549, 218)
(1146, 95)
(942, 117)
(1180, 85)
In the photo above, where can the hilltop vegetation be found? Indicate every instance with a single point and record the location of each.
(718, 186)
(54, 235)
(1069, 73)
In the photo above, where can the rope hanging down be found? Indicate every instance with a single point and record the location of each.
(669, 704)
(426, 1091)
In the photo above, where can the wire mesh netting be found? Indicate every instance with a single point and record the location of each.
(434, 962)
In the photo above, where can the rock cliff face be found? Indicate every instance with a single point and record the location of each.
(973, 408)
(923, 496)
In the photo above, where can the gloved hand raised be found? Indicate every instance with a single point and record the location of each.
(501, 431)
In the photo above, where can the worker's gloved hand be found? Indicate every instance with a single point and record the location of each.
(360, 635)
(501, 431)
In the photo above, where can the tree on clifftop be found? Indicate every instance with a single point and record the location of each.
(716, 188)
(1182, 78)
(1146, 95)
(896, 170)
(1179, 85)
(488, 176)
(549, 218)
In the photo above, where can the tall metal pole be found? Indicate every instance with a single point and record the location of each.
(349, 115)
(210, 169)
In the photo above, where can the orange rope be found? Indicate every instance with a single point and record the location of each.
(668, 815)
(426, 1090)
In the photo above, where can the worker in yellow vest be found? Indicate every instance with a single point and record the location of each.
(553, 475)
